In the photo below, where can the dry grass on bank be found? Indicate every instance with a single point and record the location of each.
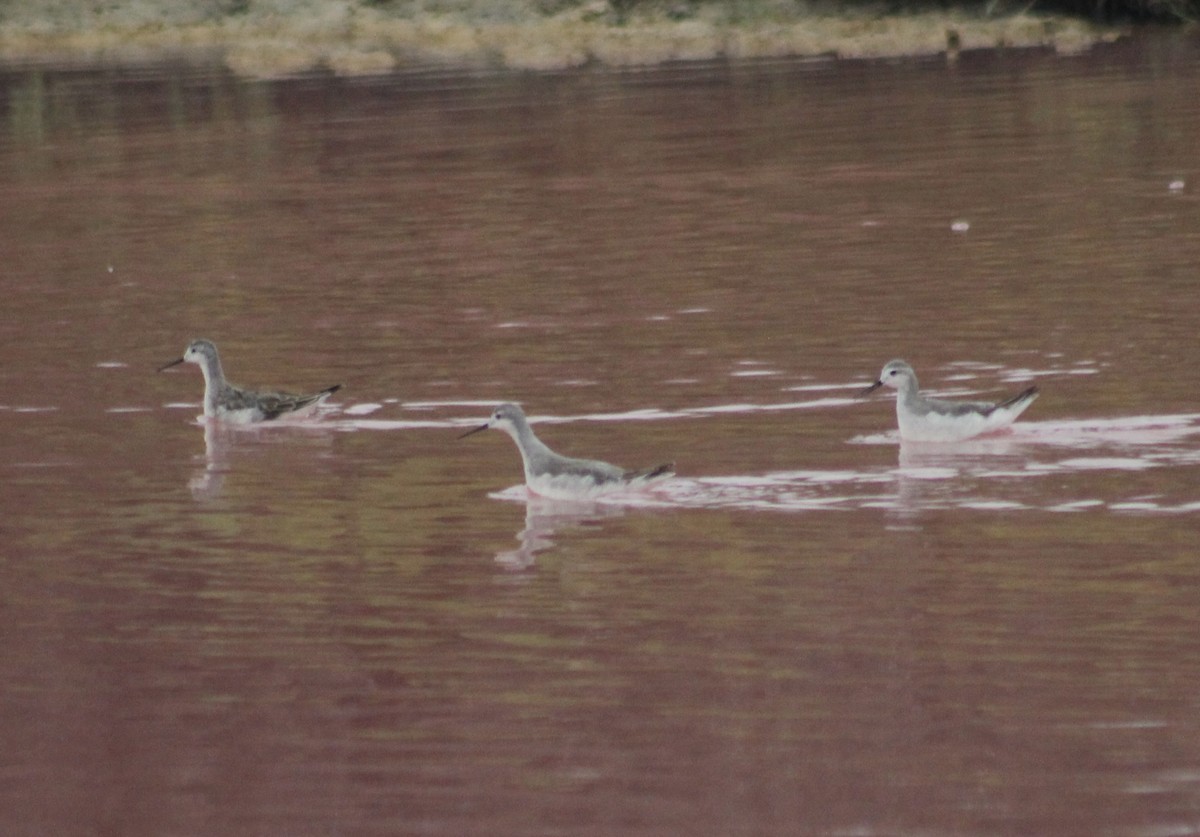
(355, 37)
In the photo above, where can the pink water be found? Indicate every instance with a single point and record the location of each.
(360, 625)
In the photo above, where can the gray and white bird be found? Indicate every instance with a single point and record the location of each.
(225, 402)
(552, 475)
(925, 419)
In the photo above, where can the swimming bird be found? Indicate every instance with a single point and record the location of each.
(224, 401)
(925, 419)
(558, 477)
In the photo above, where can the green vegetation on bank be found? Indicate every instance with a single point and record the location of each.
(278, 37)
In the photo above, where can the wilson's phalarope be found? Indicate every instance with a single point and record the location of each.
(224, 401)
(551, 475)
(924, 419)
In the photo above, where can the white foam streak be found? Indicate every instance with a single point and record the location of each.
(827, 387)
(429, 405)
(396, 424)
(764, 408)
(1102, 463)
(1089, 458)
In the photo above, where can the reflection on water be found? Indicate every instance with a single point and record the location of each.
(224, 442)
(1004, 471)
(543, 519)
(300, 630)
(206, 483)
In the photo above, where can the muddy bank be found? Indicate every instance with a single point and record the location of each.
(359, 38)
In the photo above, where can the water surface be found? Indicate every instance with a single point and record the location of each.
(361, 626)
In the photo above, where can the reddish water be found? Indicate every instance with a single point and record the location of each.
(361, 627)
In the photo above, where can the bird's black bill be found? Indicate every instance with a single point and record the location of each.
(175, 362)
(871, 389)
(473, 430)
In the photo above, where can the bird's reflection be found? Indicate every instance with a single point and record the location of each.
(206, 483)
(225, 442)
(957, 454)
(545, 517)
(932, 476)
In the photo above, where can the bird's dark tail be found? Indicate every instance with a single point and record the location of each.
(1023, 395)
(665, 470)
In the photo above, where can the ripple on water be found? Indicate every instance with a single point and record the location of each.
(1005, 472)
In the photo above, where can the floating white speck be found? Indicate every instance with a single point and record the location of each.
(1176, 185)
(111, 364)
(960, 226)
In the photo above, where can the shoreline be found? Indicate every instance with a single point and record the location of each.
(351, 40)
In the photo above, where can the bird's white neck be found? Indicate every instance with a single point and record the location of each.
(214, 379)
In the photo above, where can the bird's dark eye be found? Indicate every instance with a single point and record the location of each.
(893, 372)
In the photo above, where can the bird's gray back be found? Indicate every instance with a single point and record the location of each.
(555, 465)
